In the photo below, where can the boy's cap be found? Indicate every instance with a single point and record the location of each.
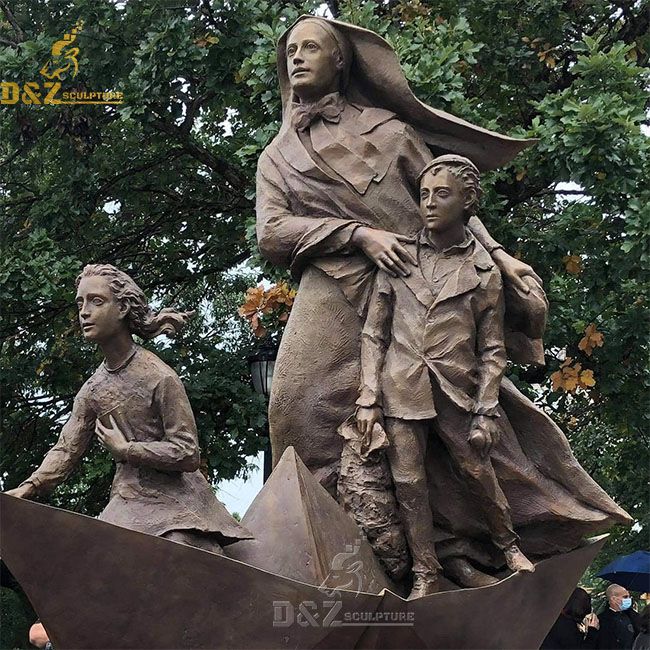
(452, 158)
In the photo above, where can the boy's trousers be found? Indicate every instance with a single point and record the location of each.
(406, 455)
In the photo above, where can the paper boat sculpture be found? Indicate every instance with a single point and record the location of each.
(307, 581)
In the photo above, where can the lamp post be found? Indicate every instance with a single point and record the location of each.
(262, 364)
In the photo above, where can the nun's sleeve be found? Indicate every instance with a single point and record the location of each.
(287, 239)
(481, 233)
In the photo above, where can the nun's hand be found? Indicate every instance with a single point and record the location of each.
(385, 250)
(515, 270)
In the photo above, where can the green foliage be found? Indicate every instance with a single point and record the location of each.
(154, 186)
(163, 186)
(17, 618)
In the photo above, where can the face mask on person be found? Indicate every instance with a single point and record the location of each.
(626, 603)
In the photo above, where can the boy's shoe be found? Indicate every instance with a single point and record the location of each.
(424, 585)
(465, 575)
(517, 561)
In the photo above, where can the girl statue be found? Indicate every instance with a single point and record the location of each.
(137, 407)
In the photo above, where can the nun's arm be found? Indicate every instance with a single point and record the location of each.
(512, 268)
(287, 239)
(481, 233)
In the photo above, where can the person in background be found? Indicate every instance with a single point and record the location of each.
(642, 642)
(619, 623)
(38, 636)
(576, 626)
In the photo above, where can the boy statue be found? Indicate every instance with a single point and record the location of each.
(432, 359)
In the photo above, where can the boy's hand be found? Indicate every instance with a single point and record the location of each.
(484, 434)
(367, 417)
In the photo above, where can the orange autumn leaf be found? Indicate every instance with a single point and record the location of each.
(570, 377)
(264, 308)
(253, 302)
(258, 329)
(587, 378)
(557, 381)
(572, 264)
(282, 294)
(592, 339)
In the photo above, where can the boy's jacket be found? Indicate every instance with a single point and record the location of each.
(449, 326)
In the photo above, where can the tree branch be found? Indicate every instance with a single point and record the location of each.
(7, 42)
(30, 144)
(173, 154)
(12, 21)
(226, 170)
(206, 10)
(192, 109)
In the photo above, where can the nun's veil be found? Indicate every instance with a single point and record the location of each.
(373, 77)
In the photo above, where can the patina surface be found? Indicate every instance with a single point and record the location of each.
(165, 595)
(136, 405)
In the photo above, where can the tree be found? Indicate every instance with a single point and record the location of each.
(163, 186)
(155, 186)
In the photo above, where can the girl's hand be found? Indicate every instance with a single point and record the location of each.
(24, 491)
(112, 439)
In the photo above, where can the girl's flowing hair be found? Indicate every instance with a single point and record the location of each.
(141, 319)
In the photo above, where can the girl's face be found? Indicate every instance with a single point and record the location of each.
(101, 316)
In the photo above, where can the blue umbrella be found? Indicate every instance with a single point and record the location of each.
(630, 571)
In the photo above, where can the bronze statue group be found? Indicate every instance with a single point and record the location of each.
(406, 314)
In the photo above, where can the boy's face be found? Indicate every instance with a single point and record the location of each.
(443, 201)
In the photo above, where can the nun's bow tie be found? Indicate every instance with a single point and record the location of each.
(328, 108)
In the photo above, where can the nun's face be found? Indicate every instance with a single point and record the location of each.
(313, 62)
